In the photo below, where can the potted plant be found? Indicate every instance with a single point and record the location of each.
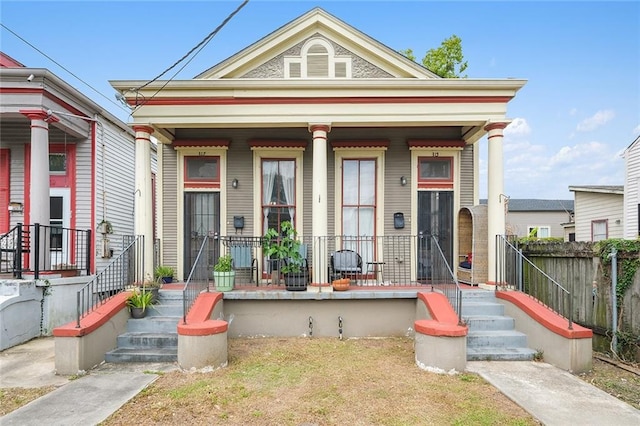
(223, 274)
(138, 302)
(164, 273)
(285, 249)
(152, 286)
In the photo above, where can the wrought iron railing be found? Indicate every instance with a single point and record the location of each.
(198, 280)
(514, 270)
(122, 272)
(442, 277)
(38, 248)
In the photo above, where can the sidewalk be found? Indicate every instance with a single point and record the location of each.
(551, 395)
(554, 396)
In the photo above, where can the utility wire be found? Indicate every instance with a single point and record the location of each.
(63, 67)
(200, 45)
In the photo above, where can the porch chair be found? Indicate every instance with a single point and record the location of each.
(243, 261)
(346, 264)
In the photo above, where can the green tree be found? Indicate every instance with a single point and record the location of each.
(447, 61)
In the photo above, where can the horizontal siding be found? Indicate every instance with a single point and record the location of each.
(168, 203)
(631, 192)
(466, 176)
(519, 222)
(597, 206)
(16, 179)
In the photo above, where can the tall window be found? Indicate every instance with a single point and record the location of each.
(278, 192)
(359, 205)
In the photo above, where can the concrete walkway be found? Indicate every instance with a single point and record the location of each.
(554, 396)
(549, 394)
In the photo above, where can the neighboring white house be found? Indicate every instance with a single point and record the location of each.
(632, 190)
(544, 218)
(81, 172)
(598, 212)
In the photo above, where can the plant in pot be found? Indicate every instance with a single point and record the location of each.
(164, 273)
(223, 274)
(285, 249)
(138, 302)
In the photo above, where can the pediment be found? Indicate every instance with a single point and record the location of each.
(316, 45)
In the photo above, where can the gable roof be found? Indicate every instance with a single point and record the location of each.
(535, 205)
(317, 22)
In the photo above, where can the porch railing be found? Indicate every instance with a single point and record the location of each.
(442, 277)
(198, 280)
(122, 272)
(39, 248)
(514, 270)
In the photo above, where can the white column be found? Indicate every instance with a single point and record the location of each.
(39, 207)
(495, 195)
(143, 221)
(319, 204)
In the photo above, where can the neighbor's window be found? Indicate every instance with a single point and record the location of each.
(539, 231)
(58, 163)
(598, 230)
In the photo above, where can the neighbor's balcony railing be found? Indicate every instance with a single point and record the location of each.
(38, 248)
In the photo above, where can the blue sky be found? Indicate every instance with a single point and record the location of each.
(571, 122)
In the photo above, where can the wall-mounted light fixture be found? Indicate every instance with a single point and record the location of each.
(234, 183)
(403, 181)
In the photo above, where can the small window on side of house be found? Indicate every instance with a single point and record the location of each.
(599, 230)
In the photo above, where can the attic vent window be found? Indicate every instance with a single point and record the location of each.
(317, 60)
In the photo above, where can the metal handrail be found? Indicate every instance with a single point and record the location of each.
(443, 279)
(513, 269)
(198, 280)
(123, 271)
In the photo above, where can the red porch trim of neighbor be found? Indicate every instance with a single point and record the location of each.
(444, 320)
(94, 319)
(274, 143)
(360, 144)
(5, 188)
(544, 316)
(181, 101)
(199, 322)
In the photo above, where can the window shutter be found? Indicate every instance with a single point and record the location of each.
(341, 69)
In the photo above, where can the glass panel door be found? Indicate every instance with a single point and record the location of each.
(435, 218)
(201, 218)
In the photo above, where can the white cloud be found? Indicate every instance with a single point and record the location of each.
(636, 130)
(517, 128)
(573, 111)
(590, 152)
(598, 119)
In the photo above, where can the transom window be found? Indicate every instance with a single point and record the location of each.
(201, 171)
(435, 172)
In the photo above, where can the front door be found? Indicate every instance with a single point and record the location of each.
(201, 218)
(435, 218)
(59, 243)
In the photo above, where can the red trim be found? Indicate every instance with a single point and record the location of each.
(443, 322)
(39, 114)
(192, 185)
(199, 322)
(201, 142)
(55, 99)
(544, 316)
(94, 169)
(360, 144)
(328, 100)
(320, 127)
(204, 182)
(94, 319)
(435, 143)
(494, 126)
(268, 143)
(7, 61)
(144, 129)
(5, 176)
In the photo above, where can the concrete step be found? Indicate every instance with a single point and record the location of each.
(154, 324)
(478, 295)
(481, 308)
(142, 355)
(147, 340)
(500, 354)
(170, 294)
(489, 322)
(496, 339)
(161, 309)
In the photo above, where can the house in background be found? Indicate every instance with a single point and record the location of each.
(598, 212)
(319, 124)
(632, 191)
(544, 218)
(65, 163)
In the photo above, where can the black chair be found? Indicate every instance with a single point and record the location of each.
(346, 264)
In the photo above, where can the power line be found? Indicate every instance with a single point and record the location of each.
(62, 66)
(197, 47)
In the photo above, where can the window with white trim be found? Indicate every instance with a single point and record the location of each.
(599, 230)
(539, 231)
(317, 60)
